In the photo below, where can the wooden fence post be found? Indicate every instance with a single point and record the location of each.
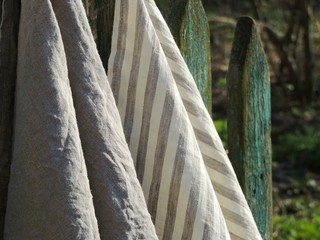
(189, 25)
(249, 114)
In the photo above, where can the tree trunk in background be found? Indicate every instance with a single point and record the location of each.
(308, 65)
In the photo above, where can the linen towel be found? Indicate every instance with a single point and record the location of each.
(234, 206)
(72, 176)
(175, 146)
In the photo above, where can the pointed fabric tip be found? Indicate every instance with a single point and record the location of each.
(49, 194)
(72, 175)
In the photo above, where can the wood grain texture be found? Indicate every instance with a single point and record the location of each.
(9, 24)
(249, 122)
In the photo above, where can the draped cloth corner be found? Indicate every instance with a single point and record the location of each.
(131, 156)
(72, 175)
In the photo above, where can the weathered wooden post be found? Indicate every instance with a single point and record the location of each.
(249, 114)
(189, 25)
(9, 27)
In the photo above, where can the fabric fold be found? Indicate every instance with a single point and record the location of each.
(72, 175)
(234, 206)
(49, 195)
(117, 195)
(168, 160)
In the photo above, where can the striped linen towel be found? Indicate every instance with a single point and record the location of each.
(189, 184)
(72, 176)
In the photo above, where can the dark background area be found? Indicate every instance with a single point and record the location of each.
(290, 32)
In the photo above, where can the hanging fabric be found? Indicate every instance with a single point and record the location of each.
(72, 176)
(175, 146)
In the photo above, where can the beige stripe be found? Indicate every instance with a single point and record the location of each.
(234, 217)
(184, 194)
(209, 230)
(114, 42)
(119, 57)
(235, 237)
(220, 155)
(172, 54)
(242, 233)
(167, 171)
(160, 153)
(226, 192)
(192, 203)
(207, 125)
(201, 214)
(148, 103)
(185, 84)
(216, 165)
(130, 106)
(128, 60)
(158, 25)
(204, 137)
(155, 120)
(236, 207)
(174, 189)
(146, 53)
(193, 109)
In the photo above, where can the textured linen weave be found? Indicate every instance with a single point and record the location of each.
(72, 175)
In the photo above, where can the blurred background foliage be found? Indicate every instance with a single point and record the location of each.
(290, 32)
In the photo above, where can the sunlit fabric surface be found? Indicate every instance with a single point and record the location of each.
(72, 175)
(180, 161)
(135, 156)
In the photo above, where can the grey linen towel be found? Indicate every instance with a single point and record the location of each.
(72, 175)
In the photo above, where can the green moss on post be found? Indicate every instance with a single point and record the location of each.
(189, 26)
(249, 126)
